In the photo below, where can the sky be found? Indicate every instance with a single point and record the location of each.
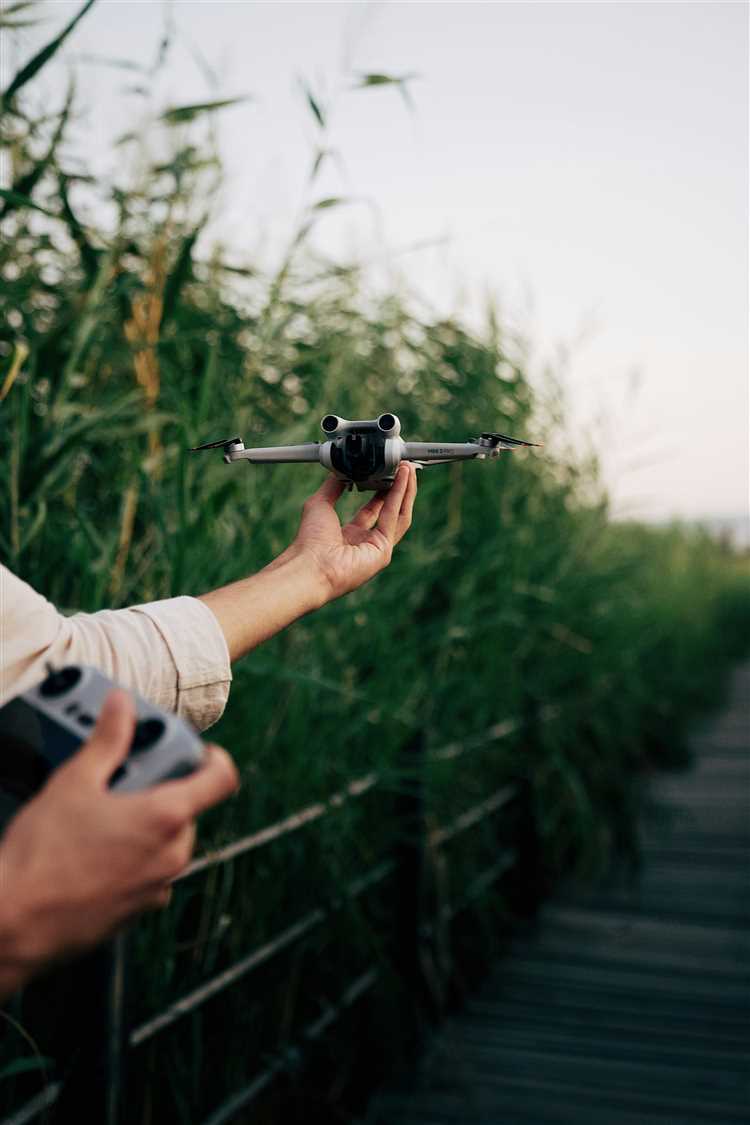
(585, 164)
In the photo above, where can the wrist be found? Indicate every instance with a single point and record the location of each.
(304, 566)
(256, 608)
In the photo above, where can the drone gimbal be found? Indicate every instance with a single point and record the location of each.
(367, 453)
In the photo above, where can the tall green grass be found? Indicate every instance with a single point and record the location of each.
(514, 595)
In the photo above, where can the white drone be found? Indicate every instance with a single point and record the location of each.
(367, 453)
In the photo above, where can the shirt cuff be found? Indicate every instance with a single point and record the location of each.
(199, 650)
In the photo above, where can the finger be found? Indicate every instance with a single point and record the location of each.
(328, 493)
(109, 744)
(156, 899)
(388, 520)
(367, 516)
(407, 506)
(175, 855)
(217, 779)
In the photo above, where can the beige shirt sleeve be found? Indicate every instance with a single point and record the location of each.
(172, 652)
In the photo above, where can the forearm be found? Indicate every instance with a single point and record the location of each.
(255, 608)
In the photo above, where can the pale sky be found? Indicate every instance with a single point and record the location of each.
(585, 162)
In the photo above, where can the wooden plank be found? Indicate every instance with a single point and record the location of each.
(630, 1005)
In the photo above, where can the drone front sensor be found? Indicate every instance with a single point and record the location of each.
(367, 453)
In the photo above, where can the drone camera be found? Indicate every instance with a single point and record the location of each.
(330, 423)
(389, 425)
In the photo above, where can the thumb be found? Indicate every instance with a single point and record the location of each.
(109, 744)
(329, 491)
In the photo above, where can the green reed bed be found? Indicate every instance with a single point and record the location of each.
(513, 597)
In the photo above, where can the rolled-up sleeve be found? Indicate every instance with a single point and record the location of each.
(172, 652)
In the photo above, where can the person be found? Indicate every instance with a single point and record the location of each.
(78, 859)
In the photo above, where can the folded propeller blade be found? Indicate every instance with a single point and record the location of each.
(510, 440)
(214, 444)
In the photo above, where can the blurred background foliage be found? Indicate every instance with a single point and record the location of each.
(513, 596)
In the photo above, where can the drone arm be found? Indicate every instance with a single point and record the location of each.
(278, 454)
(439, 461)
(435, 451)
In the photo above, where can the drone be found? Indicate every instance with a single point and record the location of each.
(367, 453)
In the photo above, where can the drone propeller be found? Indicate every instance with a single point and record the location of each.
(215, 444)
(510, 440)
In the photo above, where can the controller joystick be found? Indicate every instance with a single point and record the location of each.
(147, 732)
(57, 683)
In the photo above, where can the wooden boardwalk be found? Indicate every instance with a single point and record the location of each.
(630, 1006)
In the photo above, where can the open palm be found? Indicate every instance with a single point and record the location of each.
(350, 555)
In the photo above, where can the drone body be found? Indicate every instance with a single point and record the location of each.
(367, 453)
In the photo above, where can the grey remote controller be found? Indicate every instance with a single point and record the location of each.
(43, 726)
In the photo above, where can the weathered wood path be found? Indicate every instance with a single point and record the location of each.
(630, 1006)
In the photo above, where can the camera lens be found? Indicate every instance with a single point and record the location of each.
(57, 683)
(330, 424)
(147, 732)
(386, 421)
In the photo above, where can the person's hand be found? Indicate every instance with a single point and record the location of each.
(348, 556)
(80, 859)
(324, 561)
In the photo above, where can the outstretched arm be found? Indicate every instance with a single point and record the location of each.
(325, 561)
(177, 652)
